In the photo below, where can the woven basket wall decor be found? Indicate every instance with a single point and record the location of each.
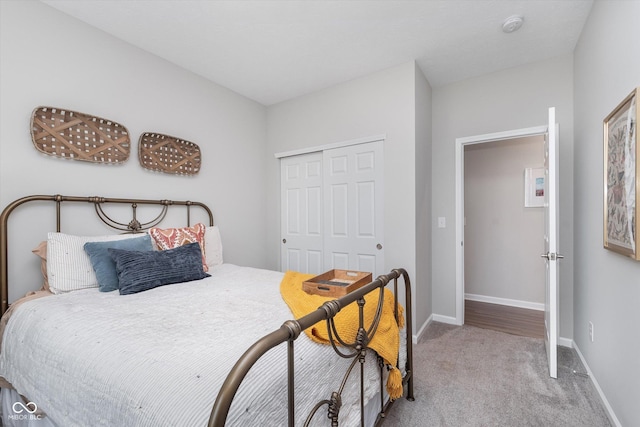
(168, 154)
(77, 136)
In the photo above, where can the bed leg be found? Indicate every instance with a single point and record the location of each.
(410, 396)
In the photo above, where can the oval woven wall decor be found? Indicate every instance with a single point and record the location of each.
(168, 154)
(77, 136)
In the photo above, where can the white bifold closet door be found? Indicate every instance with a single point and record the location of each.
(301, 213)
(353, 207)
(332, 210)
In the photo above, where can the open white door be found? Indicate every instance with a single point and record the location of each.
(551, 254)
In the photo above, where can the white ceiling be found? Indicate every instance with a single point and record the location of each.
(272, 51)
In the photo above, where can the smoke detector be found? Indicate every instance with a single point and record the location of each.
(512, 23)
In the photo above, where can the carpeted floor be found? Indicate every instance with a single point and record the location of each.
(467, 376)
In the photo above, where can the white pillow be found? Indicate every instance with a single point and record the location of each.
(213, 246)
(68, 265)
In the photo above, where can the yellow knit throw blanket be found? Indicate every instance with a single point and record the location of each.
(386, 341)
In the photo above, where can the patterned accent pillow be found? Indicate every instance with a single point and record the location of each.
(143, 270)
(170, 238)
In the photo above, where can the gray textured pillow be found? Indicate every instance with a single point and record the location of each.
(103, 264)
(143, 270)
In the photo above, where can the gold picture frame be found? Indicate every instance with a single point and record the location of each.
(622, 178)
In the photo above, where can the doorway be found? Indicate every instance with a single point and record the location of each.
(504, 276)
(550, 202)
(461, 144)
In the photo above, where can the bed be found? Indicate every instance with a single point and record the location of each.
(208, 351)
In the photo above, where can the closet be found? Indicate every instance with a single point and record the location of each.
(332, 210)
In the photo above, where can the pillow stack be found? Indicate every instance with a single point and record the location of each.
(129, 263)
(105, 266)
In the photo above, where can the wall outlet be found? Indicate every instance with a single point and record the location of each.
(591, 331)
(442, 222)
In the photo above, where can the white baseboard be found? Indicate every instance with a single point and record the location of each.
(565, 342)
(433, 318)
(504, 301)
(610, 413)
(422, 330)
(444, 319)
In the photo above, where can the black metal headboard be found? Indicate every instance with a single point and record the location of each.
(133, 226)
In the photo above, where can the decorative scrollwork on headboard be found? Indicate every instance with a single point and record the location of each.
(133, 226)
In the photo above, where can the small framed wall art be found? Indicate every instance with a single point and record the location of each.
(534, 187)
(622, 178)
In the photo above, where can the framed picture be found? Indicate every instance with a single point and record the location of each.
(534, 187)
(621, 178)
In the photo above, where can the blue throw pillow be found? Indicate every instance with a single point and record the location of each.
(140, 271)
(103, 264)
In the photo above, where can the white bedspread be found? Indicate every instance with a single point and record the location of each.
(158, 358)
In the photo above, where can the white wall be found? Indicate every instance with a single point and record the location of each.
(423, 199)
(515, 98)
(607, 285)
(502, 237)
(49, 58)
(380, 103)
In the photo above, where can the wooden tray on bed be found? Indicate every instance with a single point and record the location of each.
(336, 283)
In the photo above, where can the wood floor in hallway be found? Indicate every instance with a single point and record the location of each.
(512, 320)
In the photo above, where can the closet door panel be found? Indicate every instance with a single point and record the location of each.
(332, 210)
(339, 260)
(354, 208)
(366, 209)
(338, 209)
(366, 263)
(302, 223)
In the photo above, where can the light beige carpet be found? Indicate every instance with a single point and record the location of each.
(467, 376)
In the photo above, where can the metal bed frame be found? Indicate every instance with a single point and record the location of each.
(288, 332)
(133, 226)
(357, 350)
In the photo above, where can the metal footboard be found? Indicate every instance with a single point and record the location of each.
(291, 329)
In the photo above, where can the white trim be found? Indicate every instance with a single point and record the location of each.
(459, 199)
(459, 242)
(504, 301)
(565, 342)
(422, 330)
(497, 136)
(341, 144)
(610, 413)
(445, 319)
